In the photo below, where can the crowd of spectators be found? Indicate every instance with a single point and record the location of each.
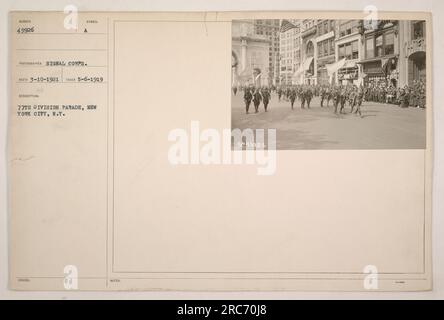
(413, 95)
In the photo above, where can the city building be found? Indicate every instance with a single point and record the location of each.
(326, 50)
(270, 29)
(308, 67)
(412, 57)
(250, 61)
(290, 51)
(381, 52)
(349, 47)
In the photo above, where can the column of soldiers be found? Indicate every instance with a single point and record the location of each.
(343, 94)
(290, 93)
(256, 95)
(305, 93)
(340, 95)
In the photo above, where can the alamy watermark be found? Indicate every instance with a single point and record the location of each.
(371, 278)
(71, 277)
(71, 19)
(213, 147)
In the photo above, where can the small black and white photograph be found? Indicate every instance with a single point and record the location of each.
(331, 84)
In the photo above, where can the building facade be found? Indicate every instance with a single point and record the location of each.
(359, 52)
(348, 46)
(326, 51)
(381, 53)
(270, 29)
(250, 61)
(412, 57)
(308, 68)
(312, 48)
(290, 53)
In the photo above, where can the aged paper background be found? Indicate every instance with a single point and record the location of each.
(128, 220)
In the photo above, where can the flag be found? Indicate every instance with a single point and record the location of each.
(386, 65)
(305, 66)
(286, 25)
(334, 67)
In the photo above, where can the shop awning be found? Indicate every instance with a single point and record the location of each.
(304, 66)
(380, 65)
(334, 67)
(378, 58)
(349, 64)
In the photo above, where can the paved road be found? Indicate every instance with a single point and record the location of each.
(382, 126)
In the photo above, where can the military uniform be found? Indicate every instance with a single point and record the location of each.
(257, 97)
(287, 94)
(352, 99)
(329, 95)
(266, 98)
(292, 97)
(323, 96)
(342, 98)
(308, 96)
(336, 98)
(247, 98)
(302, 96)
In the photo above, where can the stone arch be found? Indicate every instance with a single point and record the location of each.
(417, 67)
(309, 49)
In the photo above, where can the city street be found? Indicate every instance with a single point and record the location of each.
(382, 126)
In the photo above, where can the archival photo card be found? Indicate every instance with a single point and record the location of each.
(220, 151)
(330, 83)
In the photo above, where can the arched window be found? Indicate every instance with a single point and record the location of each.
(309, 51)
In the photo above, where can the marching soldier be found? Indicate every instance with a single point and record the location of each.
(302, 96)
(257, 97)
(266, 98)
(342, 98)
(308, 96)
(352, 99)
(287, 93)
(329, 94)
(359, 97)
(279, 92)
(323, 95)
(336, 98)
(292, 97)
(247, 98)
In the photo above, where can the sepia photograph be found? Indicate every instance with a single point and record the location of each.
(331, 84)
(138, 162)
